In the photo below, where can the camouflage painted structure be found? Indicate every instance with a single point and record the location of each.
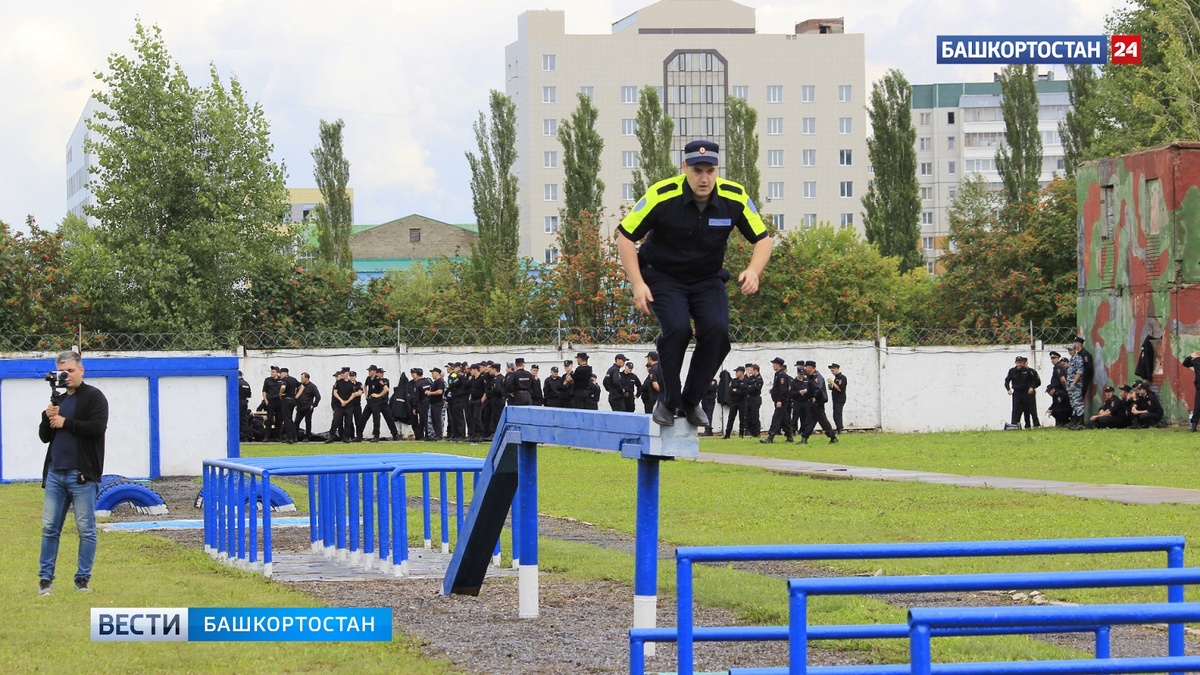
(1139, 268)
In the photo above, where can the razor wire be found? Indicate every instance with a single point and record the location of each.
(434, 337)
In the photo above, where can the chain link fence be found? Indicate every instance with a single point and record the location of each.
(396, 338)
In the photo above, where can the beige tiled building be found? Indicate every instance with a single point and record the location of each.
(809, 88)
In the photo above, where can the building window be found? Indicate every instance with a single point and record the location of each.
(926, 193)
(774, 126)
(774, 158)
(742, 92)
(551, 256)
(775, 93)
(775, 190)
(627, 191)
(927, 217)
(926, 119)
(929, 267)
(847, 188)
(810, 220)
(843, 93)
(810, 189)
(778, 220)
(1061, 164)
(808, 93)
(414, 235)
(927, 243)
(681, 125)
(588, 92)
(549, 127)
(549, 62)
(550, 159)
(845, 125)
(710, 126)
(549, 95)
(845, 158)
(809, 157)
(629, 159)
(550, 225)
(950, 168)
(953, 191)
(808, 125)
(924, 143)
(628, 127)
(629, 94)
(709, 92)
(950, 118)
(682, 93)
(847, 220)
(551, 192)
(926, 168)
(949, 142)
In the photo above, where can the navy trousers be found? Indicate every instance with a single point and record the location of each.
(677, 304)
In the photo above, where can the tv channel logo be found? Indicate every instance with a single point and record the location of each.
(241, 624)
(1038, 49)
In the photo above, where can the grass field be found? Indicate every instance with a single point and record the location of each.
(701, 504)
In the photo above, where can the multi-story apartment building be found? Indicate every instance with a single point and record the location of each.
(959, 130)
(808, 88)
(80, 163)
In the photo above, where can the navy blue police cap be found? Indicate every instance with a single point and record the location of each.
(701, 151)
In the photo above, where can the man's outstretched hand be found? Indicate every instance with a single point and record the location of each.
(642, 297)
(749, 279)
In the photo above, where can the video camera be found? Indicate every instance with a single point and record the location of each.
(57, 380)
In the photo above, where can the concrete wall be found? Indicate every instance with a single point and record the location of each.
(903, 389)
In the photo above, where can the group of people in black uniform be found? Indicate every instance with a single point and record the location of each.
(798, 402)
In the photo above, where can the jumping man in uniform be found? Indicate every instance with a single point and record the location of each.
(679, 271)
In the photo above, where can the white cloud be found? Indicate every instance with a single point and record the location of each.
(408, 77)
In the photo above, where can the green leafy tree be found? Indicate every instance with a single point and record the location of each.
(1010, 271)
(188, 200)
(587, 285)
(1078, 130)
(893, 201)
(494, 191)
(741, 146)
(317, 296)
(37, 295)
(333, 218)
(654, 131)
(583, 191)
(1019, 160)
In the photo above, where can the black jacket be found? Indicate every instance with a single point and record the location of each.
(89, 425)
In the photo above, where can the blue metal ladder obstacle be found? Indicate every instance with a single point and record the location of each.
(509, 478)
(357, 505)
(686, 633)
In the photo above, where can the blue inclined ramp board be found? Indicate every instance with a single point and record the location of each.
(489, 508)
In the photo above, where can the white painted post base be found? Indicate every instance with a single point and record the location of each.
(355, 558)
(428, 544)
(527, 592)
(317, 547)
(496, 560)
(445, 547)
(516, 563)
(645, 615)
(267, 570)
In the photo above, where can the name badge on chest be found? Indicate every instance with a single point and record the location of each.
(720, 222)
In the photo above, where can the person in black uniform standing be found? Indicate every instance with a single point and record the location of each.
(754, 385)
(593, 400)
(307, 399)
(631, 385)
(552, 389)
(456, 401)
(678, 273)
(817, 397)
(1089, 371)
(781, 393)
(737, 402)
(419, 398)
(612, 384)
(495, 399)
(1193, 361)
(245, 391)
(474, 388)
(437, 406)
(652, 385)
(535, 394)
(343, 390)
(799, 398)
(1022, 383)
(709, 404)
(357, 418)
(837, 389)
(580, 380)
(519, 384)
(270, 392)
(378, 390)
(287, 404)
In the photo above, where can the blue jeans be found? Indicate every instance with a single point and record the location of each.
(63, 489)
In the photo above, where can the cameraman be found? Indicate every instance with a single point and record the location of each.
(71, 475)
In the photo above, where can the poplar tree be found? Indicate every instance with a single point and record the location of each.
(494, 194)
(583, 191)
(654, 131)
(1019, 160)
(333, 218)
(893, 201)
(741, 146)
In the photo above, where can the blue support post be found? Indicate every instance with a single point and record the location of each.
(459, 496)
(1104, 642)
(255, 496)
(266, 488)
(684, 612)
(526, 497)
(797, 632)
(426, 511)
(339, 512)
(515, 532)
(241, 515)
(206, 494)
(368, 500)
(355, 551)
(1176, 644)
(444, 502)
(313, 532)
(399, 523)
(919, 649)
(382, 483)
(645, 570)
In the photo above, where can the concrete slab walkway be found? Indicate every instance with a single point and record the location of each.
(1128, 494)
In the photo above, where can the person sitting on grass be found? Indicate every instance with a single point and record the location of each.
(1146, 410)
(1114, 414)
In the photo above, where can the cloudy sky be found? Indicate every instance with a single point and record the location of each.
(407, 76)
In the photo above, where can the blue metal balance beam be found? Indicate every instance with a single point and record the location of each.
(511, 470)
